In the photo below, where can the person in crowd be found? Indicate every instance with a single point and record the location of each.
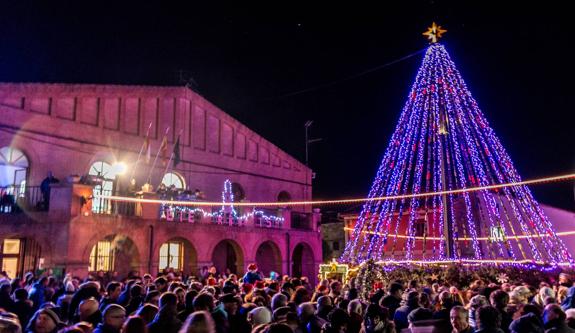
(6, 301)
(252, 275)
(22, 307)
(279, 300)
(554, 319)
(411, 303)
(324, 306)
(37, 293)
(147, 312)
(113, 319)
(9, 325)
(355, 311)
(337, 321)
(135, 299)
(488, 320)
(475, 303)
(113, 290)
(166, 321)
(88, 311)
(392, 301)
(134, 324)
(44, 321)
(499, 300)
(199, 322)
(446, 303)
(376, 320)
(459, 319)
(528, 323)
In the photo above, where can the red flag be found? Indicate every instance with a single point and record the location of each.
(147, 149)
(164, 148)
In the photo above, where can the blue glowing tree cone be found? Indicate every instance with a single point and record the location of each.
(443, 142)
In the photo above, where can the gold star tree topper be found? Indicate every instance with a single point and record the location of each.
(434, 32)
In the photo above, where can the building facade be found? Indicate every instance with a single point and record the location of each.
(89, 138)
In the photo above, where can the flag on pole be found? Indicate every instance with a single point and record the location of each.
(148, 149)
(164, 148)
(177, 152)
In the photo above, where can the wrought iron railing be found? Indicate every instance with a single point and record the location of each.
(15, 199)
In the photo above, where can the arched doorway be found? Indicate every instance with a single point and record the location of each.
(178, 254)
(228, 255)
(268, 258)
(303, 263)
(115, 253)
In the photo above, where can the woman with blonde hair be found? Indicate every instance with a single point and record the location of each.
(199, 322)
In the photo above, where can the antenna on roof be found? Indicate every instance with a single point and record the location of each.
(186, 79)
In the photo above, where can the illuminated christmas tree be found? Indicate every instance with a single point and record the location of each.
(443, 142)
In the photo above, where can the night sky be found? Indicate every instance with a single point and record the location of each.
(250, 60)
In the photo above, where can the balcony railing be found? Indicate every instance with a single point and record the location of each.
(113, 207)
(221, 216)
(16, 199)
(301, 221)
(190, 213)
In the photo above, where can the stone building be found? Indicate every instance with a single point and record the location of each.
(90, 136)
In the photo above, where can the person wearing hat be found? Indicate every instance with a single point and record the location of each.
(114, 317)
(230, 304)
(252, 275)
(260, 315)
(9, 325)
(44, 321)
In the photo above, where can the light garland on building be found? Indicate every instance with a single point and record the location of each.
(171, 211)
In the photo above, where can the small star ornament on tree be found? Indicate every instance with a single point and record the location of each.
(434, 277)
(434, 32)
(502, 278)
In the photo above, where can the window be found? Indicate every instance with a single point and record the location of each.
(335, 246)
(420, 228)
(172, 178)
(13, 167)
(284, 196)
(497, 234)
(238, 192)
(105, 175)
(171, 255)
(101, 257)
(10, 256)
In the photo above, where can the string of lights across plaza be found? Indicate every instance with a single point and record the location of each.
(341, 201)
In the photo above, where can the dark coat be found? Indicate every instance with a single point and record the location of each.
(166, 321)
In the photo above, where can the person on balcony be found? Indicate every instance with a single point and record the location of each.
(45, 189)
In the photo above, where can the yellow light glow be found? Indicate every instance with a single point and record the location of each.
(119, 168)
(343, 201)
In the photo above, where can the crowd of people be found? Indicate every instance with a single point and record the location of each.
(172, 303)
